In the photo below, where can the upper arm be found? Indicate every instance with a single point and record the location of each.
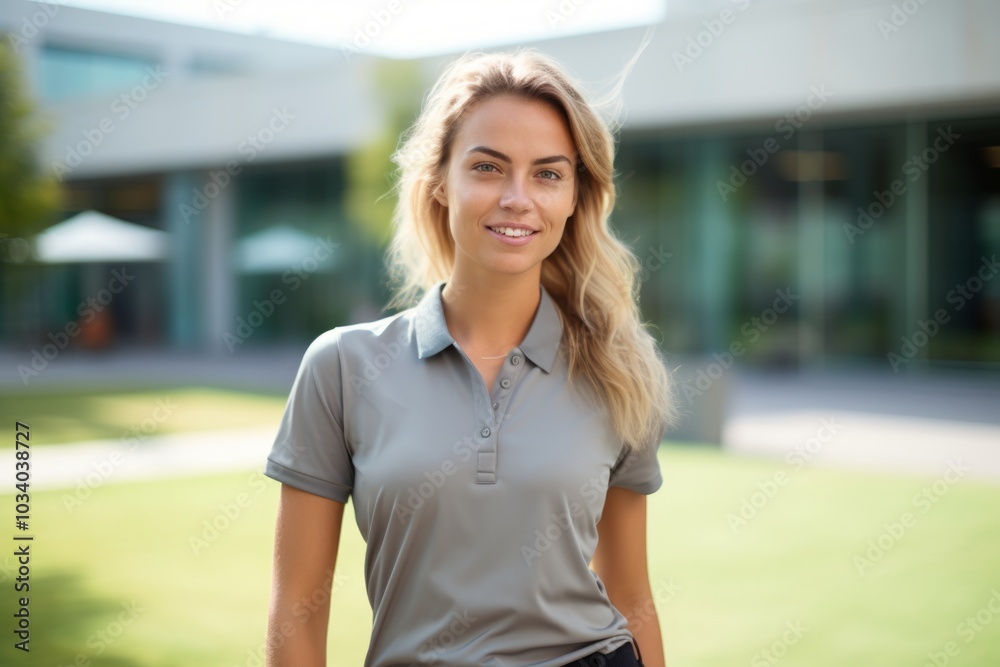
(306, 541)
(620, 557)
(311, 450)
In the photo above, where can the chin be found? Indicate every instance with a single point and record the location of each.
(511, 268)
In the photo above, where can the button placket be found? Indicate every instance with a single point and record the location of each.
(510, 373)
(488, 434)
(486, 431)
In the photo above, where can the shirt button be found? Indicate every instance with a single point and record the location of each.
(505, 383)
(496, 405)
(485, 432)
(515, 360)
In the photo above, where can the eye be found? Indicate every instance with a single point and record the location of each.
(489, 166)
(549, 175)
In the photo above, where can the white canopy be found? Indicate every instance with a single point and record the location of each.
(282, 247)
(95, 237)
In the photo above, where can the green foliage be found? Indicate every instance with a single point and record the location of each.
(29, 194)
(125, 413)
(370, 199)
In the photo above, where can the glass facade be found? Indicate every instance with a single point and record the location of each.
(65, 72)
(837, 245)
(326, 274)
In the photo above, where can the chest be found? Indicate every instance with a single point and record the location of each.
(478, 420)
(489, 369)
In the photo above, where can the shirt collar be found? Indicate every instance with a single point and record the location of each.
(541, 344)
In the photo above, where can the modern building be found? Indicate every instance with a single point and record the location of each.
(807, 182)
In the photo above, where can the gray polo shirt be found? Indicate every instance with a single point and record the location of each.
(479, 508)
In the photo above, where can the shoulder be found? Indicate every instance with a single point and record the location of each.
(363, 339)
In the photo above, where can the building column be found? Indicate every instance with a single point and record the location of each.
(712, 257)
(915, 258)
(184, 276)
(219, 284)
(811, 260)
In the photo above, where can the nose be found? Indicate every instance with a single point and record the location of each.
(515, 197)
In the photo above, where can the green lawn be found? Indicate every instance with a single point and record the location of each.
(792, 563)
(111, 414)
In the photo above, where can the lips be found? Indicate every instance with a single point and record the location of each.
(508, 236)
(512, 231)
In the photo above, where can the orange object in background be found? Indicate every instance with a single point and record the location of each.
(98, 332)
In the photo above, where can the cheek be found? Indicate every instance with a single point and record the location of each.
(559, 206)
(471, 202)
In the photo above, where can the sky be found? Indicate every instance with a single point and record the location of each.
(396, 28)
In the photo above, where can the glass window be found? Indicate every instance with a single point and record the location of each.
(67, 72)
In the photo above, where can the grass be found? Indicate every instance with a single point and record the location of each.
(793, 562)
(76, 416)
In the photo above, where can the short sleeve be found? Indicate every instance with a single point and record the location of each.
(310, 450)
(638, 471)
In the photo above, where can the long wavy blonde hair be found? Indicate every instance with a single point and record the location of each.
(590, 275)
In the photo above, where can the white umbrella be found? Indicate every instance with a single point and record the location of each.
(95, 237)
(280, 248)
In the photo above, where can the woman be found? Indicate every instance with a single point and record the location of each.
(499, 437)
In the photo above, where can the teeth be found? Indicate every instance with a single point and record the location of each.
(510, 231)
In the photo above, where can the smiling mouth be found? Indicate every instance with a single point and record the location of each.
(512, 231)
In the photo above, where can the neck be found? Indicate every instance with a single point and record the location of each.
(490, 317)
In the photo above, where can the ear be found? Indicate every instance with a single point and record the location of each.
(440, 195)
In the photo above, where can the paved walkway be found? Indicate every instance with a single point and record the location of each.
(916, 424)
(79, 467)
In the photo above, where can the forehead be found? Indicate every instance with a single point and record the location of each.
(515, 126)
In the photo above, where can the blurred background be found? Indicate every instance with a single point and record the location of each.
(191, 192)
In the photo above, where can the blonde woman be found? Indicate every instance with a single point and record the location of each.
(499, 435)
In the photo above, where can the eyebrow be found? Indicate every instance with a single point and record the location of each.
(506, 158)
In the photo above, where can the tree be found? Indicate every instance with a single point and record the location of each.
(29, 194)
(370, 170)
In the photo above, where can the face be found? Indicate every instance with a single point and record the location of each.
(511, 170)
